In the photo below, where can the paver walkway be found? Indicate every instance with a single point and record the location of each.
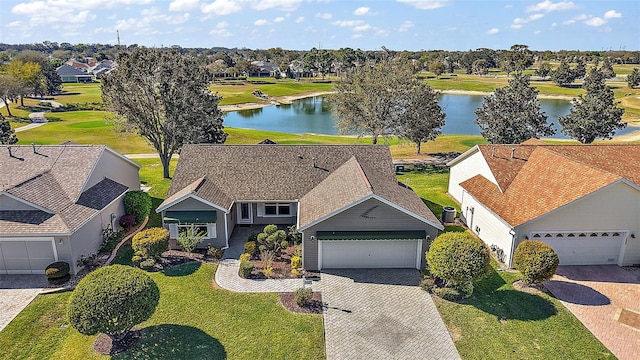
(381, 314)
(16, 292)
(596, 295)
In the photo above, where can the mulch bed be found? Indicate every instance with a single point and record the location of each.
(315, 306)
(281, 266)
(534, 289)
(105, 346)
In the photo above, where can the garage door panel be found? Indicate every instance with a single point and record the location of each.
(26, 256)
(586, 250)
(369, 254)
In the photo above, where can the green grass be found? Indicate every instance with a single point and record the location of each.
(194, 320)
(537, 326)
(79, 93)
(431, 185)
(239, 94)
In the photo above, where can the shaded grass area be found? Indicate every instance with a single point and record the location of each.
(193, 320)
(499, 322)
(431, 185)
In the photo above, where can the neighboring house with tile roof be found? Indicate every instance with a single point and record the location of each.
(345, 200)
(55, 200)
(583, 200)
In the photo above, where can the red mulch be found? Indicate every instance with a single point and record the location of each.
(105, 346)
(314, 307)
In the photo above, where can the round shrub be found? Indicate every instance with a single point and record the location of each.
(458, 257)
(57, 270)
(536, 261)
(250, 247)
(246, 268)
(137, 203)
(151, 242)
(111, 300)
(448, 293)
(127, 221)
(303, 296)
(148, 264)
(245, 257)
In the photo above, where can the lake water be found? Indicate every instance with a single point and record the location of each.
(312, 115)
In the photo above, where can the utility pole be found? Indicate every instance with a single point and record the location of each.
(118, 35)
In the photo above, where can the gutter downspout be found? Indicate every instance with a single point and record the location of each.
(514, 237)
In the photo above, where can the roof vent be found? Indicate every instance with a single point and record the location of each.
(314, 162)
(493, 151)
(33, 145)
(9, 148)
(513, 153)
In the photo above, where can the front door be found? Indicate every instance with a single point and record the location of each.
(245, 213)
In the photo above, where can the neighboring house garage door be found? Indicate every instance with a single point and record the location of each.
(584, 248)
(381, 249)
(26, 256)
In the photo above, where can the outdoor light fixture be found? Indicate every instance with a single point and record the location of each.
(313, 238)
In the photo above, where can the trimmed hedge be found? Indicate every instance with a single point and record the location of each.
(458, 257)
(138, 203)
(57, 270)
(151, 242)
(250, 247)
(536, 261)
(111, 300)
(246, 267)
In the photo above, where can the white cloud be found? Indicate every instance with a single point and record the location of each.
(285, 5)
(548, 6)
(406, 25)
(299, 20)
(519, 22)
(596, 21)
(554, 25)
(581, 17)
(361, 11)
(278, 19)
(325, 16)
(221, 7)
(425, 4)
(361, 28)
(568, 22)
(184, 5)
(15, 24)
(221, 29)
(356, 36)
(348, 23)
(260, 22)
(612, 14)
(493, 31)
(536, 32)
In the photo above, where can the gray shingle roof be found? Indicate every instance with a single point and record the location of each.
(341, 175)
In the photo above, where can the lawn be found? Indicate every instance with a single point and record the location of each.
(242, 93)
(431, 185)
(194, 320)
(79, 93)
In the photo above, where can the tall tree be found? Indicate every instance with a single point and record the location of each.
(563, 75)
(421, 115)
(517, 59)
(7, 134)
(512, 114)
(164, 96)
(544, 70)
(595, 114)
(607, 69)
(30, 75)
(11, 88)
(633, 79)
(437, 68)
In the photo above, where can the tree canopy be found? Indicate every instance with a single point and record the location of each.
(422, 116)
(512, 114)
(633, 79)
(595, 114)
(164, 96)
(7, 134)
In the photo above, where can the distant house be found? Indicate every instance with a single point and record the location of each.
(345, 200)
(69, 74)
(265, 69)
(583, 200)
(55, 200)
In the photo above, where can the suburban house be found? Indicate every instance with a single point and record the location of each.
(55, 201)
(69, 73)
(343, 198)
(582, 200)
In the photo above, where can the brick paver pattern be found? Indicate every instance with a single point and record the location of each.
(595, 295)
(381, 314)
(16, 292)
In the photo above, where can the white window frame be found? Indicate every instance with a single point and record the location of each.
(174, 230)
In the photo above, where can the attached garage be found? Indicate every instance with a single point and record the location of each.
(370, 249)
(586, 247)
(26, 255)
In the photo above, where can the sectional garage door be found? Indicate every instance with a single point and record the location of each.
(585, 248)
(382, 249)
(26, 256)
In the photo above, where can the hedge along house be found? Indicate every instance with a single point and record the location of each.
(345, 200)
(582, 200)
(55, 200)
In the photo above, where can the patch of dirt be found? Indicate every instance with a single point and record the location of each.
(535, 289)
(315, 306)
(105, 346)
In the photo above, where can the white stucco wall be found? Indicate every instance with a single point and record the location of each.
(467, 168)
(111, 166)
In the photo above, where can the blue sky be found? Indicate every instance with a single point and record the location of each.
(331, 24)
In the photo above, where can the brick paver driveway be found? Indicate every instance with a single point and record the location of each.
(381, 314)
(16, 292)
(603, 298)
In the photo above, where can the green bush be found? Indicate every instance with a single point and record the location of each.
(303, 296)
(246, 268)
(296, 263)
(245, 257)
(294, 236)
(148, 264)
(272, 239)
(250, 247)
(536, 261)
(57, 270)
(428, 284)
(138, 203)
(110, 239)
(253, 237)
(151, 242)
(458, 257)
(448, 293)
(465, 289)
(190, 238)
(214, 252)
(111, 300)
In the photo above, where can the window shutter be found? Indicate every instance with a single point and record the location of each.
(211, 230)
(260, 209)
(173, 231)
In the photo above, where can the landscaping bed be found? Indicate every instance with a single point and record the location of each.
(281, 266)
(315, 305)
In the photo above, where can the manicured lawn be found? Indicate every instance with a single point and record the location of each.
(431, 185)
(239, 94)
(79, 93)
(194, 320)
(533, 327)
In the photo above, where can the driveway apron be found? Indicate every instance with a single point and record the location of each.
(16, 292)
(605, 299)
(381, 314)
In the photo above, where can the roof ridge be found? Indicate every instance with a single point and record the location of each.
(574, 160)
(364, 176)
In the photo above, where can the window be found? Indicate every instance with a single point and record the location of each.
(208, 229)
(275, 209)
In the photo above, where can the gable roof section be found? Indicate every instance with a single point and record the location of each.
(542, 178)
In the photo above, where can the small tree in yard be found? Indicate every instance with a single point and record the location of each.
(190, 238)
(458, 258)
(138, 203)
(7, 134)
(151, 242)
(272, 239)
(536, 261)
(111, 300)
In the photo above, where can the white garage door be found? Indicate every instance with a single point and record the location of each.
(336, 254)
(585, 248)
(26, 256)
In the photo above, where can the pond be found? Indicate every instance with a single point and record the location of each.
(313, 115)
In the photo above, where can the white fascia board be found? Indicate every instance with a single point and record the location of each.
(195, 197)
(463, 156)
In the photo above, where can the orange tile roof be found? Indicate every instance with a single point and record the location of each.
(541, 178)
